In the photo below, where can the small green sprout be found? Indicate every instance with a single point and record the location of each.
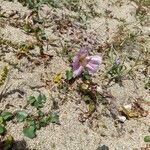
(3, 75)
(147, 139)
(69, 75)
(86, 76)
(116, 71)
(37, 102)
(147, 84)
(25, 47)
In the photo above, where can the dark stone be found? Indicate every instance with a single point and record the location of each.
(104, 147)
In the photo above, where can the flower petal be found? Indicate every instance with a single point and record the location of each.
(92, 68)
(118, 60)
(93, 63)
(75, 63)
(94, 59)
(78, 71)
(76, 59)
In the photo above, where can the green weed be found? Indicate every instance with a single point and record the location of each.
(3, 75)
(32, 122)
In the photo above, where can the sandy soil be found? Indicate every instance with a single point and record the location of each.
(114, 22)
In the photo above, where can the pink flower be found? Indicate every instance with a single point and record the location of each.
(83, 61)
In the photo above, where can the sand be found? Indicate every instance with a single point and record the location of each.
(115, 20)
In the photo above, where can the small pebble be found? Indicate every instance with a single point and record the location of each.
(122, 118)
(128, 107)
(104, 147)
(99, 89)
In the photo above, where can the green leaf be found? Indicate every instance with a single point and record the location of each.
(37, 102)
(31, 121)
(69, 74)
(41, 98)
(147, 139)
(44, 98)
(6, 115)
(91, 107)
(40, 113)
(87, 99)
(86, 76)
(29, 132)
(2, 129)
(31, 99)
(21, 115)
(1, 120)
(54, 118)
(44, 121)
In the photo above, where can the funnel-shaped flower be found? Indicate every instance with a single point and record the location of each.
(118, 61)
(83, 61)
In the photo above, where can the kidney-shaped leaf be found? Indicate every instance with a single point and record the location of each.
(54, 118)
(2, 129)
(6, 115)
(29, 132)
(21, 115)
